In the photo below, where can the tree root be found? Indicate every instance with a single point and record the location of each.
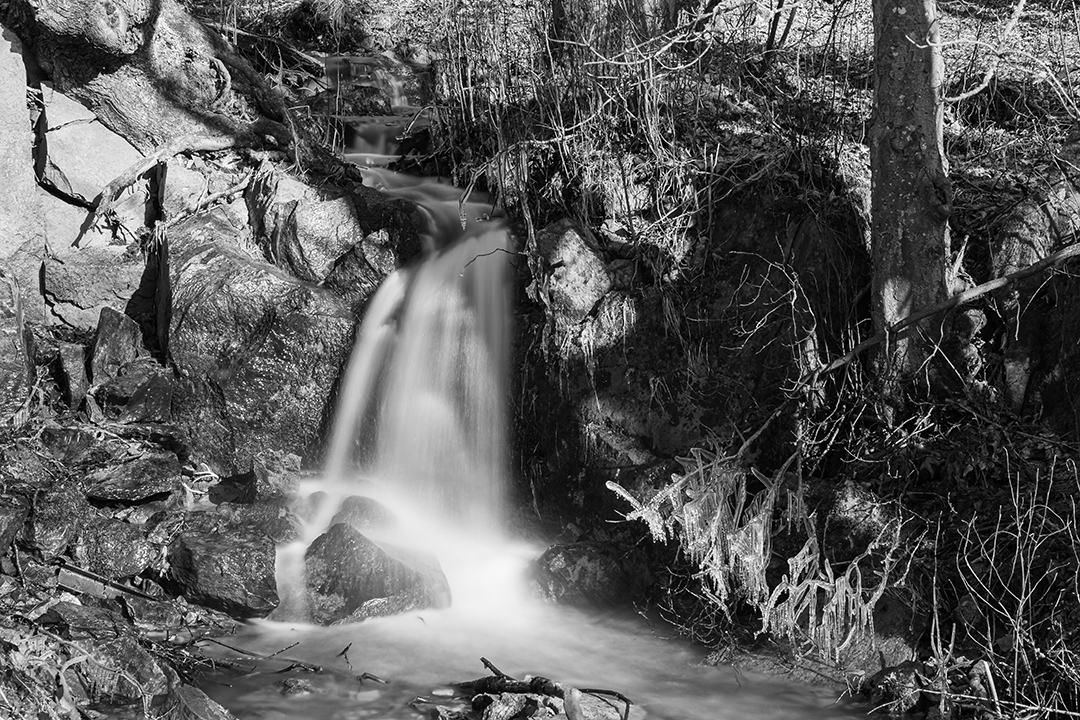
(253, 137)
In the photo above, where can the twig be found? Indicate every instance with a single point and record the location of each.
(1018, 10)
(345, 654)
(287, 647)
(374, 678)
(496, 671)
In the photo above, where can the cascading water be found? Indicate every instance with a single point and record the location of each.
(420, 427)
(420, 424)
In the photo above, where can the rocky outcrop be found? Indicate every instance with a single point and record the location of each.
(258, 354)
(577, 276)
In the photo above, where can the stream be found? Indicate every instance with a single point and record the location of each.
(419, 654)
(421, 428)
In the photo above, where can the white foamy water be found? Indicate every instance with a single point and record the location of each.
(421, 427)
(421, 654)
(420, 423)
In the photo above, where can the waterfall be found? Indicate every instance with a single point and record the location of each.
(420, 422)
(422, 407)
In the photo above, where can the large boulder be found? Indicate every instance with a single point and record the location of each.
(350, 577)
(578, 277)
(224, 563)
(582, 574)
(87, 266)
(258, 352)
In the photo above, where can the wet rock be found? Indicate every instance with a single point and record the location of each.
(77, 621)
(142, 391)
(113, 549)
(365, 515)
(292, 687)
(351, 576)
(578, 276)
(44, 577)
(21, 466)
(306, 231)
(15, 365)
(274, 477)
(71, 374)
(117, 343)
(55, 519)
(118, 671)
(581, 574)
(154, 472)
(155, 615)
(258, 355)
(231, 569)
(274, 519)
(506, 706)
(363, 267)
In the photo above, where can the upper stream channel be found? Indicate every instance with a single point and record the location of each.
(421, 427)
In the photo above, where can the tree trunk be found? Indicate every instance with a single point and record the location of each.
(150, 72)
(911, 196)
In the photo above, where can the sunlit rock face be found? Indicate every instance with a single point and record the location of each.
(258, 354)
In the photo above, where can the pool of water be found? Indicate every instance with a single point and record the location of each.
(411, 662)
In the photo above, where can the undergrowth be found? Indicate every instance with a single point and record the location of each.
(641, 121)
(641, 124)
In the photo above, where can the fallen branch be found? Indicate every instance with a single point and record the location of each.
(253, 135)
(893, 331)
(499, 682)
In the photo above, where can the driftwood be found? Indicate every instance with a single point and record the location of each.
(499, 682)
